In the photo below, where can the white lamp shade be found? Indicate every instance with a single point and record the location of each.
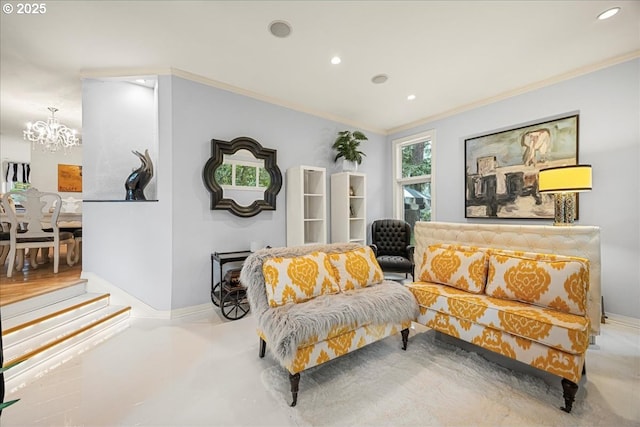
(563, 179)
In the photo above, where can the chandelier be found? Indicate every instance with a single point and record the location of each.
(51, 136)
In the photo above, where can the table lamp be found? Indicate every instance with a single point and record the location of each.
(564, 182)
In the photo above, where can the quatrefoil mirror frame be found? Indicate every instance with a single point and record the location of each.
(218, 149)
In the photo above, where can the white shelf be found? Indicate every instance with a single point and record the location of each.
(306, 205)
(348, 207)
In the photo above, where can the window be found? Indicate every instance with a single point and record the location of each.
(239, 175)
(413, 183)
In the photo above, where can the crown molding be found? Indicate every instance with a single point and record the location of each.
(519, 91)
(130, 73)
(115, 74)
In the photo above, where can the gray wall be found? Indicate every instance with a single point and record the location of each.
(160, 251)
(609, 139)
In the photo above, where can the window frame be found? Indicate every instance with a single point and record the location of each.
(234, 164)
(399, 181)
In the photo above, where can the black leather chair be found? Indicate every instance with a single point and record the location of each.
(391, 243)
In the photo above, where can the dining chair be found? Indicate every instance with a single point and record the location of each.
(27, 229)
(4, 232)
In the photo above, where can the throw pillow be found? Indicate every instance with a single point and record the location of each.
(357, 268)
(298, 279)
(462, 269)
(560, 283)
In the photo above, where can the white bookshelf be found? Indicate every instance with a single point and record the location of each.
(306, 205)
(348, 207)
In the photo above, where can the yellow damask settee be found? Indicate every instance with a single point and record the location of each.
(318, 302)
(530, 293)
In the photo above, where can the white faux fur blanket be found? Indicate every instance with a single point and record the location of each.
(285, 327)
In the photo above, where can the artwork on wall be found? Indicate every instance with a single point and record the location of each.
(70, 178)
(501, 168)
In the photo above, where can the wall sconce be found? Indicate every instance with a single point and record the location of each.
(564, 182)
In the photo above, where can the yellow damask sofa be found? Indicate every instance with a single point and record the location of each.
(530, 293)
(318, 302)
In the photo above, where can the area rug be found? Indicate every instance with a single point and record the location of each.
(433, 383)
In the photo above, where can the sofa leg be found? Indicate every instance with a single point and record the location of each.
(294, 379)
(405, 338)
(263, 347)
(569, 393)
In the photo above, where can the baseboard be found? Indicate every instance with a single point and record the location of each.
(188, 311)
(632, 322)
(139, 309)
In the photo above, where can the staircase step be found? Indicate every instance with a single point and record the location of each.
(52, 349)
(43, 300)
(31, 325)
(51, 323)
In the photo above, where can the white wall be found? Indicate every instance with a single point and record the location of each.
(44, 169)
(122, 119)
(609, 139)
(126, 243)
(14, 149)
(44, 165)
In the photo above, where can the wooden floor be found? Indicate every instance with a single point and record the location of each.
(32, 282)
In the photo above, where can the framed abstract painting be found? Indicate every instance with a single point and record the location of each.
(501, 168)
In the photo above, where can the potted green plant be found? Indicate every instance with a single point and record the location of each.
(347, 145)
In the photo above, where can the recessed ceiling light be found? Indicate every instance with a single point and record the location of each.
(608, 13)
(280, 29)
(411, 97)
(379, 79)
(141, 81)
(336, 60)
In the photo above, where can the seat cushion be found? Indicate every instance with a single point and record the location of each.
(560, 330)
(64, 235)
(394, 262)
(290, 326)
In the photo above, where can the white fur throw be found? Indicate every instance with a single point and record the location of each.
(285, 327)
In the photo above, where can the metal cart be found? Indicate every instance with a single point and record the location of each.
(230, 295)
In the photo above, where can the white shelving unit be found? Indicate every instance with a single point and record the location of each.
(306, 205)
(348, 207)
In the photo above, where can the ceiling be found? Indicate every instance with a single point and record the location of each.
(451, 55)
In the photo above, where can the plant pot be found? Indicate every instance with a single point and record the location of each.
(349, 166)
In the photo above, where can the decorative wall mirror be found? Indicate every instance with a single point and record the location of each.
(242, 176)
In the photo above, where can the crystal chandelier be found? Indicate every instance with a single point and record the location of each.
(51, 136)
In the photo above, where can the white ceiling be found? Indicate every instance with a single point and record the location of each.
(450, 54)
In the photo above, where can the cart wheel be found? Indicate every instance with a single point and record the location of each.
(215, 294)
(235, 304)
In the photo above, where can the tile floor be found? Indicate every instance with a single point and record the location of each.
(199, 370)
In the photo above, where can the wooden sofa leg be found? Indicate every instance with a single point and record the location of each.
(263, 348)
(569, 393)
(294, 379)
(405, 338)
